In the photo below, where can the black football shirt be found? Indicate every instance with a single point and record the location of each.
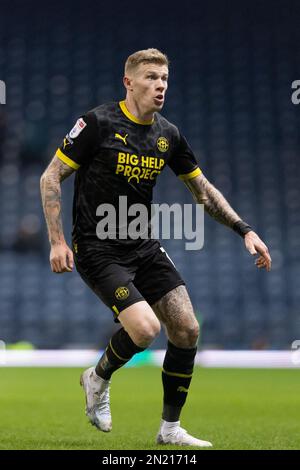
(115, 154)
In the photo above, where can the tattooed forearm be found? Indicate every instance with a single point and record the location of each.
(214, 202)
(50, 181)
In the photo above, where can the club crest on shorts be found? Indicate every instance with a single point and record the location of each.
(122, 293)
(162, 144)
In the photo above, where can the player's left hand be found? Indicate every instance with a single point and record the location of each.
(255, 245)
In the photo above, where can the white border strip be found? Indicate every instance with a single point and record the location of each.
(50, 358)
(210, 358)
(255, 359)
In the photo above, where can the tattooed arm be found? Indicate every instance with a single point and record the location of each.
(61, 257)
(214, 202)
(216, 206)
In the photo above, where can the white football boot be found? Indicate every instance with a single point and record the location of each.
(172, 433)
(97, 399)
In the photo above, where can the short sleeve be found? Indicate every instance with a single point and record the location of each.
(79, 144)
(183, 161)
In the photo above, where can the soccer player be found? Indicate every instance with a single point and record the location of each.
(119, 149)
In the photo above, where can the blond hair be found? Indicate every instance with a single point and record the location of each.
(146, 56)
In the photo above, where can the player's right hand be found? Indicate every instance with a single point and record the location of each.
(61, 258)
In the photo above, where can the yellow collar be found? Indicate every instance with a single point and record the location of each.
(132, 117)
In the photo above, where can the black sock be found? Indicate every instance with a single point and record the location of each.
(120, 350)
(176, 377)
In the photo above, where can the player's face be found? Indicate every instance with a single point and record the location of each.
(149, 86)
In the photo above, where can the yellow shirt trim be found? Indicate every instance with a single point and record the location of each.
(132, 117)
(190, 175)
(66, 159)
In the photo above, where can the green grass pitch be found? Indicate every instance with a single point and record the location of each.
(232, 408)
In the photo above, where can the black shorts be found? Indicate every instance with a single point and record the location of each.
(122, 274)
